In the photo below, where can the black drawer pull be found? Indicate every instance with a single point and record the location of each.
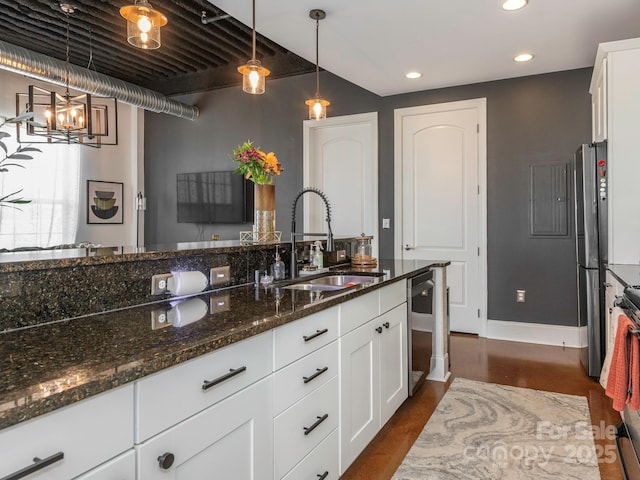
(317, 334)
(323, 476)
(379, 329)
(232, 373)
(38, 464)
(308, 430)
(319, 371)
(385, 324)
(166, 460)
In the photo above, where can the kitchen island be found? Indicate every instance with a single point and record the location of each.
(53, 367)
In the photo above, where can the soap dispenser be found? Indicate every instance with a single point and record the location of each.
(278, 267)
(318, 258)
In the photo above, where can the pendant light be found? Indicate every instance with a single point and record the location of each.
(143, 24)
(57, 118)
(317, 105)
(253, 73)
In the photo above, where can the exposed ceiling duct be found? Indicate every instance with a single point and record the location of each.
(35, 65)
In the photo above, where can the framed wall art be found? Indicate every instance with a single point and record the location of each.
(104, 202)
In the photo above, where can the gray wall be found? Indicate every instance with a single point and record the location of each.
(530, 120)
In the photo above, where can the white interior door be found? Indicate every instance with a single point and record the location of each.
(440, 165)
(341, 159)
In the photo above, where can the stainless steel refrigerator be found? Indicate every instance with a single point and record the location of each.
(590, 187)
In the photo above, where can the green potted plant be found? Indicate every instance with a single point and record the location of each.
(10, 158)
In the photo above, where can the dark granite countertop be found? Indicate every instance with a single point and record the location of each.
(53, 365)
(628, 275)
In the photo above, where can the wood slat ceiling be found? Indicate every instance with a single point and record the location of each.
(193, 56)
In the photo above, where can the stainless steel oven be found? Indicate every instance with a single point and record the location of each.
(628, 432)
(421, 323)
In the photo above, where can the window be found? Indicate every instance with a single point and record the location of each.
(50, 180)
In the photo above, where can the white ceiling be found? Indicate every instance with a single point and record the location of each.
(373, 43)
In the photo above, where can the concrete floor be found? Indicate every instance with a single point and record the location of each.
(540, 367)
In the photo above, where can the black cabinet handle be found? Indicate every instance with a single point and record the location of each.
(317, 334)
(38, 464)
(379, 329)
(232, 373)
(166, 460)
(323, 476)
(385, 324)
(308, 430)
(319, 371)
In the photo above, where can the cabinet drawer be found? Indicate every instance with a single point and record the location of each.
(358, 311)
(299, 338)
(230, 440)
(322, 462)
(304, 376)
(304, 425)
(166, 398)
(87, 433)
(393, 295)
(120, 468)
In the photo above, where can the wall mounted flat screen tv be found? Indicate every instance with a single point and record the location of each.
(214, 197)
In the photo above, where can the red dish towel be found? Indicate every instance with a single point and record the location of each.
(623, 385)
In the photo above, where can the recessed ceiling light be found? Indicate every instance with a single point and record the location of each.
(523, 57)
(513, 4)
(413, 75)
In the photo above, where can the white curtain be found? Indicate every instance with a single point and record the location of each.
(51, 181)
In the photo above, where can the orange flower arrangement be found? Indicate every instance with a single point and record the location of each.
(255, 164)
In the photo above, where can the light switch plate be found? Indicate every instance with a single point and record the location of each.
(386, 223)
(219, 303)
(220, 275)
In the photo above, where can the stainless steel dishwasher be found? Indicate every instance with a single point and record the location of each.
(421, 323)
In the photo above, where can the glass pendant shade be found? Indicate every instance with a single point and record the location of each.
(143, 25)
(317, 105)
(253, 73)
(253, 77)
(317, 108)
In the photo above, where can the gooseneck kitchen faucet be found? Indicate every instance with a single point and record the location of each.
(294, 234)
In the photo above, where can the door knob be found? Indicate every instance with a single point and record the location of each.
(166, 460)
(407, 247)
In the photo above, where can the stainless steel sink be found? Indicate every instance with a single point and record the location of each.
(332, 282)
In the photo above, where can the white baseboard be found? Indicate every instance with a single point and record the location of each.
(537, 333)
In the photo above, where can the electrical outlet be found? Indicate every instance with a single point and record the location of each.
(386, 223)
(159, 283)
(159, 319)
(520, 296)
(219, 275)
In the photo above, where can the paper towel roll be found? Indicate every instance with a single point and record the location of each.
(185, 283)
(187, 311)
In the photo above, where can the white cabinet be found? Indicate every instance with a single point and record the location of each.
(78, 437)
(232, 440)
(613, 289)
(304, 425)
(321, 463)
(168, 397)
(599, 104)
(616, 108)
(122, 467)
(215, 414)
(373, 382)
(359, 391)
(306, 397)
(393, 362)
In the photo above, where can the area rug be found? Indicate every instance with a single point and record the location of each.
(487, 431)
